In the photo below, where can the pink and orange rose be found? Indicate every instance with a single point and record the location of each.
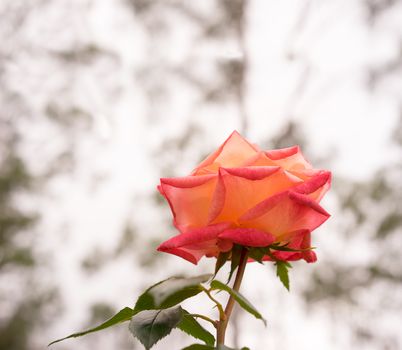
(243, 195)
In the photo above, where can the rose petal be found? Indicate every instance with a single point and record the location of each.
(308, 188)
(298, 240)
(187, 181)
(286, 256)
(285, 212)
(189, 199)
(194, 244)
(240, 189)
(260, 159)
(196, 236)
(308, 255)
(252, 173)
(281, 153)
(218, 199)
(289, 158)
(247, 237)
(232, 153)
(318, 182)
(316, 176)
(192, 257)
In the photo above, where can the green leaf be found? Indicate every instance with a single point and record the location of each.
(221, 260)
(235, 260)
(150, 326)
(122, 316)
(170, 292)
(282, 271)
(241, 300)
(199, 347)
(191, 326)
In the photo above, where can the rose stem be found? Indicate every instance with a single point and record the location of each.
(223, 322)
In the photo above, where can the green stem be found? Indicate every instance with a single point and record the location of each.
(205, 318)
(223, 322)
(218, 304)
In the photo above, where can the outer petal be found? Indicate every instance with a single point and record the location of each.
(195, 243)
(308, 255)
(190, 199)
(289, 158)
(322, 176)
(282, 153)
(297, 240)
(232, 153)
(247, 237)
(316, 186)
(243, 188)
(284, 213)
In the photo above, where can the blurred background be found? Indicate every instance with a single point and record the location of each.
(99, 99)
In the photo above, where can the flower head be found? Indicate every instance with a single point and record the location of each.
(243, 195)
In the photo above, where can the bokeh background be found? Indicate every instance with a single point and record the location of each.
(99, 99)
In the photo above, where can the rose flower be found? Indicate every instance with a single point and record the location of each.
(243, 195)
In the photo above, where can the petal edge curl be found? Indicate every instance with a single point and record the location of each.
(248, 237)
(194, 244)
(284, 213)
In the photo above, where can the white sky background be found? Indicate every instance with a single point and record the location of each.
(336, 110)
(337, 113)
